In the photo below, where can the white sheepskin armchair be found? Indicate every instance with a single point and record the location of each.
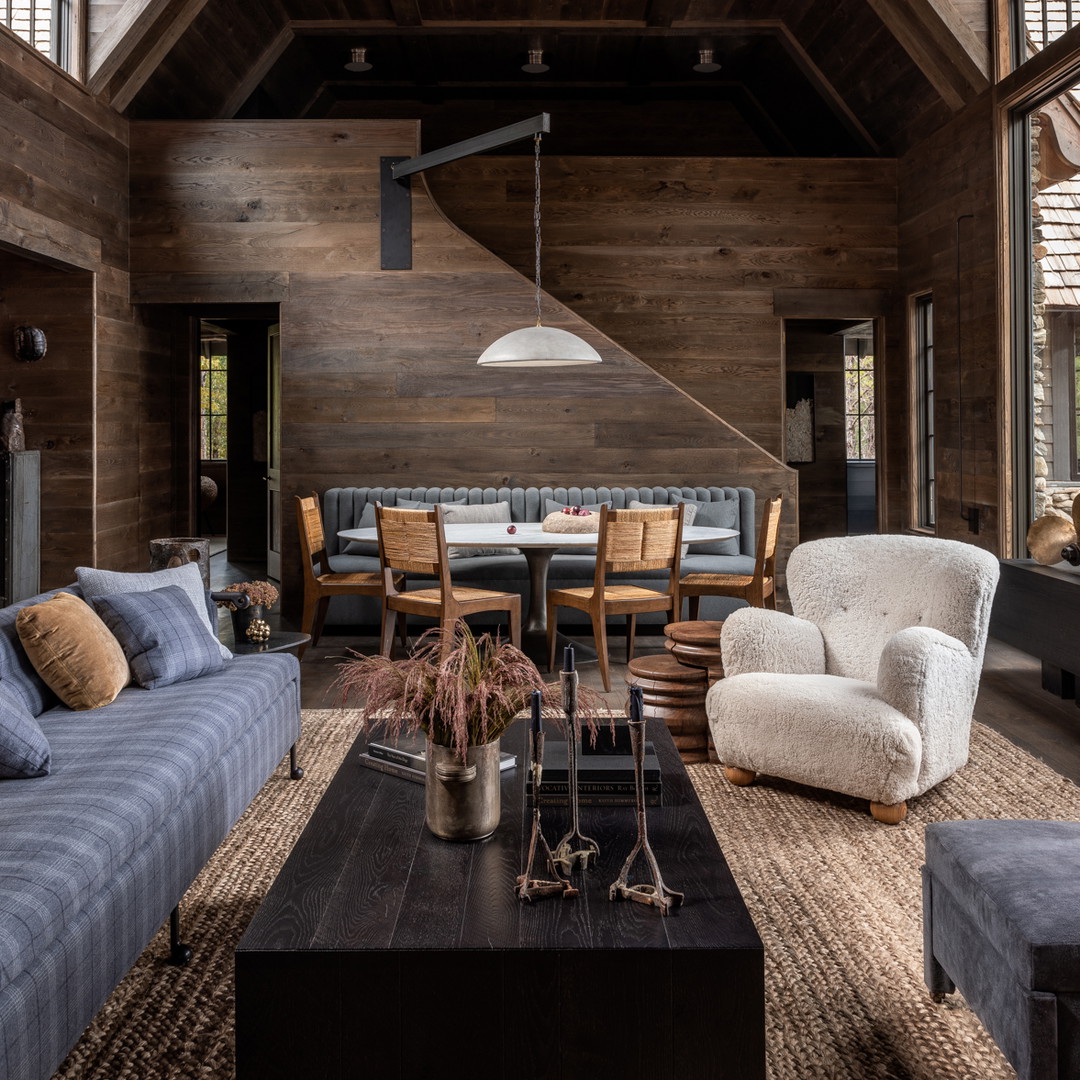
(868, 688)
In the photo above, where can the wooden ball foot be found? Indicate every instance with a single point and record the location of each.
(889, 814)
(739, 777)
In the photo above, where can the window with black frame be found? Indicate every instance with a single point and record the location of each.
(925, 508)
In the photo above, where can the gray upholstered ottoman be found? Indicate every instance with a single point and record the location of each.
(1001, 921)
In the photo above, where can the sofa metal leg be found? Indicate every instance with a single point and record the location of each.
(179, 953)
(295, 771)
(938, 998)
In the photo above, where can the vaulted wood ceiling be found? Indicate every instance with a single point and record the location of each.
(797, 77)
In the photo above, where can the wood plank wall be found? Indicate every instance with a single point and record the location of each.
(100, 404)
(957, 259)
(379, 382)
(678, 259)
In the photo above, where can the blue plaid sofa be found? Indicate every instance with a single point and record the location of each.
(344, 508)
(95, 855)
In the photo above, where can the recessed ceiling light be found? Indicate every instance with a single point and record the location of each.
(359, 61)
(536, 65)
(705, 62)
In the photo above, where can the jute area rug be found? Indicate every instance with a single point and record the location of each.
(835, 896)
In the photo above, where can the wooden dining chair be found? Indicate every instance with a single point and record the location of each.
(628, 541)
(414, 541)
(321, 583)
(757, 589)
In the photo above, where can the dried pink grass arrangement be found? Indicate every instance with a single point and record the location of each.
(460, 690)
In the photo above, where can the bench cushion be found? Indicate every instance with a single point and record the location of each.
(1018, 883)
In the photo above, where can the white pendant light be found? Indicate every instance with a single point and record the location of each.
(538, 346)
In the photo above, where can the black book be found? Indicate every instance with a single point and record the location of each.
(601, 768)
(595, 795)
(394, 768)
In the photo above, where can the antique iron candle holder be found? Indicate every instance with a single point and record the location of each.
(575, 849)
(656, 892)
(528, 887)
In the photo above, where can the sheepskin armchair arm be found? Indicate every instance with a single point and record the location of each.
(869, 687)
(932, 679)
(759, 639)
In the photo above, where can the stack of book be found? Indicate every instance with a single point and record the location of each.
(407, 758)
(605, 772)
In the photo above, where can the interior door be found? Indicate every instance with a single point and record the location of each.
(273, 456)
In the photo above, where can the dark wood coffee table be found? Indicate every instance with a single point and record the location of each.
(383, 951)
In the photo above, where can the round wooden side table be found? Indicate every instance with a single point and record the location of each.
(674, 693)
(697, 643)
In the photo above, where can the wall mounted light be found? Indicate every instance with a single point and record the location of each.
(30, 343)
(705, 63)
(359, 61)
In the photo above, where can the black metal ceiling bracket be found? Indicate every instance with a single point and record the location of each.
(395, 202)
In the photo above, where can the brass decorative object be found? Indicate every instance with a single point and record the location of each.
(574, 848)
(258, 630)
(656, 892)
(528, 887)
(1047, 536)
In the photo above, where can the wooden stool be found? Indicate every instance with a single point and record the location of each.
(697, 643)
(674, 693)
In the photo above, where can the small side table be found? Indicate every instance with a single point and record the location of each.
(279, 641)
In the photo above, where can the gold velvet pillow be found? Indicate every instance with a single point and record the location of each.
(73, 651)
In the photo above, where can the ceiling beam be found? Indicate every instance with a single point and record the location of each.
(112, 48)
(255, 74)
(943, 46)
(156, 41)
(406, 12)
(474, 27)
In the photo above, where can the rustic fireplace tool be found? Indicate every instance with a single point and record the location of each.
(657, 893)
(527, 886)
(574, 848)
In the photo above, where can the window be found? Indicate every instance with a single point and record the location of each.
(859, 397)
(213, 400)
(925, 516)
(48, 25)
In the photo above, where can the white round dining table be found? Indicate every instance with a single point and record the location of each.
(538, 547)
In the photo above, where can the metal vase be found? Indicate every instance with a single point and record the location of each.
(242, 619)
(463, 799)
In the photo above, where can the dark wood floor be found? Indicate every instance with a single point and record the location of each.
(1011, 699)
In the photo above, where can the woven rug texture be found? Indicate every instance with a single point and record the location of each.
(835, 896)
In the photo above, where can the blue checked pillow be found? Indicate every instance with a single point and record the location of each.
(163, 637)
(24, 750)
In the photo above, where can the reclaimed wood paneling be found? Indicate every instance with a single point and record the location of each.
(99, 405)
(678, 260)
(379, 375)
(956, 257)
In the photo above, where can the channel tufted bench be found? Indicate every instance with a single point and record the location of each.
(352, 508)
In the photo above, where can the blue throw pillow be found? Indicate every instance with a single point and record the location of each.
(163, 638)
(721, 514)
(24, 750)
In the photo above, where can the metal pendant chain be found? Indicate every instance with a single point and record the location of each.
(536, 221)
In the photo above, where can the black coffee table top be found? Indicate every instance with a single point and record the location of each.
(367, 875)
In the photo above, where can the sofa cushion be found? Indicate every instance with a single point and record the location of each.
(420, 504)
(73, 651)
(117, 773)
(95, 583)
(164, 640)
(478, 513)
(24, 750)
(1016, 881)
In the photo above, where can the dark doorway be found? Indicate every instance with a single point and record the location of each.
(831, 424)
(233, 348)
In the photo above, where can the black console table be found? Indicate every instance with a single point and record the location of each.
(1037, 610)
